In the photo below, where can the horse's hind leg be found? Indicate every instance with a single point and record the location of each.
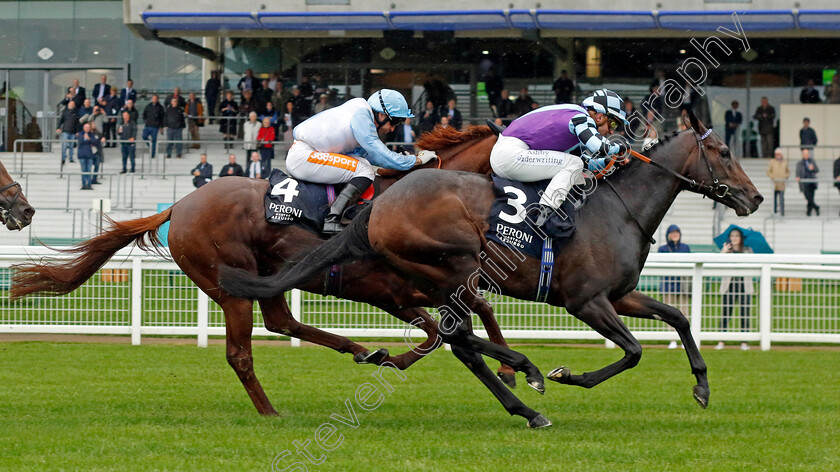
(238, 325)
(278, 319)
(638, 305)
(506, 373)
(600, 315)
(420, 318)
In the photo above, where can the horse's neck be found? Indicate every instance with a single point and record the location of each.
(647, 190)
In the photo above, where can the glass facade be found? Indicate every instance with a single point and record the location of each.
(92, 33)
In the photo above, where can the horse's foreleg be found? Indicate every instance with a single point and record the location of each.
(238, 325)
(638, 305)
(278, 319)
(599, 314)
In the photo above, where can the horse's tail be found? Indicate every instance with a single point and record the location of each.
(57, 276)
(351, 243)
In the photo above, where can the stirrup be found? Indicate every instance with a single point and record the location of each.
(332, 225)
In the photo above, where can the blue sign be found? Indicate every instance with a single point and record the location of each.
(163, 231)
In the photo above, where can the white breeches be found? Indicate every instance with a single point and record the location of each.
(305, 163)
(512, 159)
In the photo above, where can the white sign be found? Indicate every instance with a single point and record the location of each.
(103, 204)
(39, 114)
(45, 53)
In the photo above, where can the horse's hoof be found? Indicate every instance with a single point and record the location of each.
(538, 385)
(561, 374)
(538, 422)
(701, 394)
(507, 379)
(367, 357)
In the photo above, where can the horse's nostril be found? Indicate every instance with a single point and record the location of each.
(29, 212)
(758, 199)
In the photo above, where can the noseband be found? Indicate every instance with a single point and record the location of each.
(6, 207)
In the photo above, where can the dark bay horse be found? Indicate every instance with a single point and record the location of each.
(223, 223)
(430, 226)
(15, 211)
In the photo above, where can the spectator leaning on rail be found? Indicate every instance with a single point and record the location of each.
(340, 144)
(153, 116)
(203, 172)
(779, 172)
(250, 131)
(733, 288)
(672, 289)
(266, 136)
(538, 146)
(231, 169)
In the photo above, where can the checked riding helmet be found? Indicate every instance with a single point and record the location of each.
(607, 102)
(392, 104)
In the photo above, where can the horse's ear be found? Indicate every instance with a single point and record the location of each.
(691, 120)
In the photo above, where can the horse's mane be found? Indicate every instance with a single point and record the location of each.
(442, 138)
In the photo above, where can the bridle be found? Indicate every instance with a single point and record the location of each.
(715, 188)
(6, 207)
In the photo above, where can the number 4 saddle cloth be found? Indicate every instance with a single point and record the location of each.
(514, 212)
(290, 201)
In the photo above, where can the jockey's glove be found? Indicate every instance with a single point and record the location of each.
(426, 156)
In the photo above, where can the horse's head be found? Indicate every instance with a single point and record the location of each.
(15, 211)
(718, 175)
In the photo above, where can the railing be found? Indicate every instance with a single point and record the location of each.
(796, 299)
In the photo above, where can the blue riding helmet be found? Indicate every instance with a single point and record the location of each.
(391, 103)
(607, 102)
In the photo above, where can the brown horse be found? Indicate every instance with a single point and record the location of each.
(15, 210)
(430, 226)
(223, 224)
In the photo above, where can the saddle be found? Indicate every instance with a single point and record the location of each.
(289, 201)
(512, 216)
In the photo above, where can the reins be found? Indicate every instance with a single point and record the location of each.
(716, 188)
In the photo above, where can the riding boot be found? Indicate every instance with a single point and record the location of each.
(352, 191)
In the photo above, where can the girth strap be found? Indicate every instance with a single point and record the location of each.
(546, 269)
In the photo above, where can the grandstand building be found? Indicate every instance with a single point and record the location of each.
(769, 48)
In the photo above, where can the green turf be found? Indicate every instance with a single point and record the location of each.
(153, 407)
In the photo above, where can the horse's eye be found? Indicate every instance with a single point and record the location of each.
(725, 154)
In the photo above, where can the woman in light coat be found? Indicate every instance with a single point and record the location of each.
(250, 130)
(733, 288)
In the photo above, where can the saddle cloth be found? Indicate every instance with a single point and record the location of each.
(289, 201)
(514, 211)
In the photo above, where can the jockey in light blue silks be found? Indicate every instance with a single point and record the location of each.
(538, 145)
(339, 145)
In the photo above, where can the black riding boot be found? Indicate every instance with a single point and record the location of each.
(347, 197)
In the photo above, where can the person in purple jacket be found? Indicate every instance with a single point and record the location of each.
(539, 146)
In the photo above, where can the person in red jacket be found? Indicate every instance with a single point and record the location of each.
(265, 139)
